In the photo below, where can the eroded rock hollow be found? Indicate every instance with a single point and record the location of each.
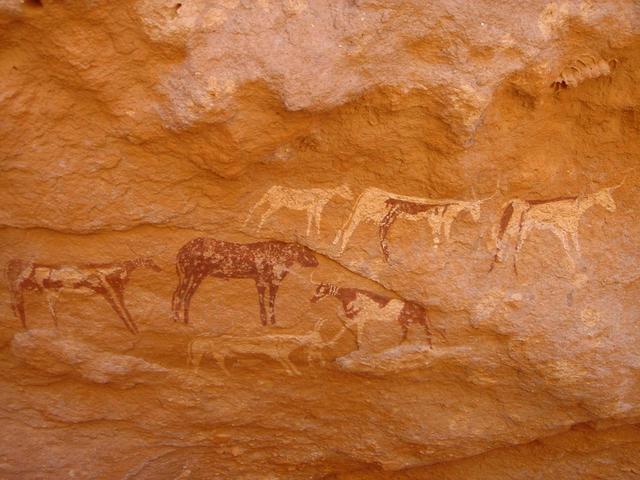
(305, 239)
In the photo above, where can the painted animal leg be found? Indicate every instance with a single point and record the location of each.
(220, 359)
(263, 313)
(524, 233)
(566, 244)
(176, 298)
(180, 293)
(317, 215)
(446, 225)
(360, 334)
(427, 333)
(383, 230)
(270, 211)
(196, 280)
(286, 363)
(262, 201)
(292, 367)
(405, 332)
(576, 242)
(273, 291)
(119, 295)
(17, 303)
(52, 299)
(348, 231)
(106, 293)
(195, 360)
(309, 221)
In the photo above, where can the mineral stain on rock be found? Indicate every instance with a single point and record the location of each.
(440, 199)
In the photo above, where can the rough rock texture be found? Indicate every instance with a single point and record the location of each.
(465, 173)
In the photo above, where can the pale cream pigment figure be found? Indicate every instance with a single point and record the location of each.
(277, 347)
(312, 201)
(561, 216)
(382, 208)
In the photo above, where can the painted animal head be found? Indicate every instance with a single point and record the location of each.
(604, 198)
(474, 210)
(146, 262)
(305, 257)
(345, 192)
(323, 290)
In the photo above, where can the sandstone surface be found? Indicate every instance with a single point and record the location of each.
(305, 239)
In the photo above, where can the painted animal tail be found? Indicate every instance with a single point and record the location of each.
(507, 213)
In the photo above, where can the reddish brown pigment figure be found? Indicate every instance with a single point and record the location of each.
(266, 262)
(106, 279)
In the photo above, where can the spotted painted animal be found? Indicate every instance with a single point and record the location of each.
(358, 304)
(268, 263)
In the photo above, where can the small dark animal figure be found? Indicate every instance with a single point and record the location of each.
(106, 279)
(357, 304)
(266, 262)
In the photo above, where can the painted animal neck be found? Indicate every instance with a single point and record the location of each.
(585, 202)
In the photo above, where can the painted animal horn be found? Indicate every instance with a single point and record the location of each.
(312, 280)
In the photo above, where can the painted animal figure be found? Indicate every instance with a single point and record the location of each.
(276, 347)
(312, 201)
(561, 216)
(268, 263)
(382, 208)
(358, 305)
(106, 279)
(440, 217)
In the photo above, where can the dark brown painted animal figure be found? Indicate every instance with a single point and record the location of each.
(268, 263)
(354, 299)
(106, 279)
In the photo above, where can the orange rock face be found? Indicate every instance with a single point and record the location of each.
(320, 239)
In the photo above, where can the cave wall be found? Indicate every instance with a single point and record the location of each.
(319, 239)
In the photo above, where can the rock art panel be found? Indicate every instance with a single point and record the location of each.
(236, 140)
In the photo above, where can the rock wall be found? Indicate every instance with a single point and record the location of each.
(282, 239)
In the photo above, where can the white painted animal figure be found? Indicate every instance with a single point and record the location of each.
(278, 347)
(360, 305)
(312, 201)
(561, 216)
(382, 208)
